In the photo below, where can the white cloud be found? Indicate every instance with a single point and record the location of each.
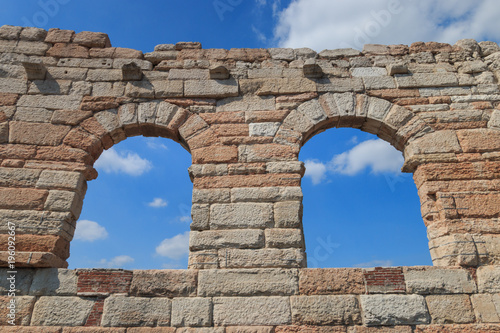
(377, 155)
(327, 24)
(375, 263)
(158, 203)
(116, 262)
(261, 2)
(130, 163)
(175, 247)
(89, 231)
(184, 219)
(153, 143)
(315, 170)
(260, 36)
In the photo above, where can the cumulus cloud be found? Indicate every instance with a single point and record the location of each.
(375, 263)
(315, 170)
(116, 262)
(89, 231)
(175, 247)
(130, 163)
(155, 143)
(376, 155)
(327, 24)
(158, 203)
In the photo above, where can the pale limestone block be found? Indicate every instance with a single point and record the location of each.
(19, 177)
(368, 71)
(61, 311)
(265, 194)
(52, 179)
(211, 196)
(450, 309)
(270, 310)
(257, 258)
(54, 281)
(211, 88)
(325, 310)
(263, 129)
(136, 311)
(64, 201)
(241, 215)
(247, 282)
(288, 214)
(488, 279)
(284, 238)
(486, 307)
(191, 311)
(435, 280)
(383, 310)
(217, 239)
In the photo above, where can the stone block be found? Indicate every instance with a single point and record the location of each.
(270, 310)
(61, 311)
(479, 140)
(92, 39)
(22, 198)
(247, 103)
(15, 177)
(267, 153)
(247, 282)
(450, 309)
(33, 115)
(383, 310)
(434, 280)
(219, 239)
(488, 279)
(325, 310)
(285, 86)
(284, 238)
(265, 194)
(258, 258)
(64, 201)
(368, 71)
(24, 278)
(193, 312)
(202, 196)
(164, 283)
(486, 307)
(339, 53)
(249, 329)
(328, 281)
(54, 282)
(215, 154)
(241, 215)
(263, 129)
(50, 102)
(288, 214)
(23, 309)
(200, 216)
(67, 180)
(422, 80)
(136, 311)
(211, 88)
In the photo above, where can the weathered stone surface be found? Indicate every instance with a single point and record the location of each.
(394, 310)
(92, 39)
(486, 307)
(211, 88)
(270, 310)
(218, 239)
(241, 215)
(488, 279)
(23, 308)
(19, 198)
(434, 280)
(24, 278)
(258, 258)
(53, 281)
(247, 282)
(325, 310)
(193, 312)
(166, 283)
(15, 177)
(53, 179)
(450, 309)
(283, 238)
(61, 311)
(328, 281)
(136, 311)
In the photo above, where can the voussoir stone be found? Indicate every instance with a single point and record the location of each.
(247, 282)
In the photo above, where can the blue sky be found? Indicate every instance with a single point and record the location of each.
(359, 210)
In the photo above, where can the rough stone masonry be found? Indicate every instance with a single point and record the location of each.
(244, 114)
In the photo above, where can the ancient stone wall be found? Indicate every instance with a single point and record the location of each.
(244, 114)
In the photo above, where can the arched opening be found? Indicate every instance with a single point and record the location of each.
(359, 209)
(136, 214)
